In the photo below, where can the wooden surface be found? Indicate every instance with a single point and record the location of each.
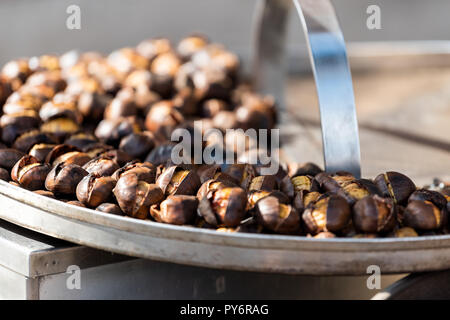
(404, 120)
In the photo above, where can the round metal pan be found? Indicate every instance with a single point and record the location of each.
(208, 248)
(240, 251)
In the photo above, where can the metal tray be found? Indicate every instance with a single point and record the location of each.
(240, 251)
(209, 248)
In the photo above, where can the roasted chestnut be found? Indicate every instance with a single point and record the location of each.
(374, 214)
(63, 179)
(135, 196)
(395, 185)
(137, 145)
(276, 216)
(175, 180)
(66, 154)
(163, 118)
(144, 171)
(27, 140)
(327, 214)
(423, 215)
(30, 173)
(267, 183)
(428, 195)
(95, 189)
(110, 208)
(101, 166)
(9, 157)
(225, 206)
(176, 209)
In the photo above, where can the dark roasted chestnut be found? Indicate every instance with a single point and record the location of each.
(175, 180)
(135, 196)
(30, 173)
(374, 214)
(144, 171)
(395, 185)
(225, 206)
(95, 189)
(137, 145)
(63, 179)
(276, 216)
(9, 157)
(27, 140)
(428, 195)
(423, 215)
(66, 154)
(110, 208)
(101, 166)
(176, 209)
(327, 214)
(267, 183)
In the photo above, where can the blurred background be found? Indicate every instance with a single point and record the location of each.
(33, 27)
(403, 113)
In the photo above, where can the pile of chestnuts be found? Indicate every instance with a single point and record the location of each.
(94, 131)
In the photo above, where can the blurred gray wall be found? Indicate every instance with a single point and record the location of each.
(32, 27)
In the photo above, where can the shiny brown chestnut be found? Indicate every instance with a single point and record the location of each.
(118, 156)
(267, 183)
(276, 216)
(92, 105)
(60, 127)
(15, 124)
(374, 214)
(145, 171)
(80, 140)
(110, 208)
(30, 173)
(41, 150)
(256, 195)
(66, 154)
(330, 213)
(101, 166)
(175, 180)
(27, 140)
(429, 195)
(395, 185)
(135, 196)
(423, 215)
(163, 118)
(121, 107)
(242, 173)
(160, 154)
(225, 206)
(95, 189)
(111, 131)
(304, 198)
(9, 157)
(176, 209)
(137, 145)
(63, 179)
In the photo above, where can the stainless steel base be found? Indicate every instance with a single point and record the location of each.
(33, 266)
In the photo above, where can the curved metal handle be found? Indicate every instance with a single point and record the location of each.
(331, 72)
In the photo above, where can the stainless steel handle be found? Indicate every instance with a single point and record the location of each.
(331, 72)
